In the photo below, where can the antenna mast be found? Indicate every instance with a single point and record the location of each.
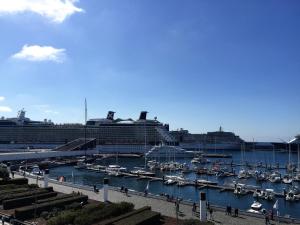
(85, 104)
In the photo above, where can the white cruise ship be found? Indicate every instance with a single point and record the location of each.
(112, 135)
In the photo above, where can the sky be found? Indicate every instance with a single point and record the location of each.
(196, 64)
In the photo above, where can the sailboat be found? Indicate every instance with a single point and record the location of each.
(243, 174)
(297, 175)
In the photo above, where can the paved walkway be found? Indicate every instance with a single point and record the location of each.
(159, 205)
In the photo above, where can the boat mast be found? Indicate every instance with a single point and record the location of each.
(298, 159)
(145, 143)
(85, 119)
(289, 155)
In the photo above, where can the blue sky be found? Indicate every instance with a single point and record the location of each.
(194, 64)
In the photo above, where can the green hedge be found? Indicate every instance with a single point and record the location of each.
(143, 218)
(16, 186)
(14, 181)
(195, 222)
(91, 214)
(13, 191)
(18, 202)
(4, 174)
(63, 196)
(124, 216)
(25, 193)
(27, 212)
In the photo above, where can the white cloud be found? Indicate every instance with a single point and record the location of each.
(55, 10)
(2, 98)
(5, 109)
(41, 53)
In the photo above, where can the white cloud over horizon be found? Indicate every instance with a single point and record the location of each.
(5, 109)
(2, 98)
(55, 10)
(41, 53)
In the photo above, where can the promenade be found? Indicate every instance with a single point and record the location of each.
(157, 204)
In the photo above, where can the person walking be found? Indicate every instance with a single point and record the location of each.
(211, 214)
(229, 210)
(236, 212)
(194, 209)
(267, 219)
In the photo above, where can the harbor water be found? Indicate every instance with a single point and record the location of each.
(189, 192)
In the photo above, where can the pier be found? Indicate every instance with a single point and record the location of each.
(160, 204)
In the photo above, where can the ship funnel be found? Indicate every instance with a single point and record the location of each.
(110, 115)
(143, 115)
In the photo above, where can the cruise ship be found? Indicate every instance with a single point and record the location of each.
(217, 140)
(111, 134)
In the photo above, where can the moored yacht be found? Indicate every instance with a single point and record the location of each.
(256, 207)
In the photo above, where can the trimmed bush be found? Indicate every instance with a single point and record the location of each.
(18, 202)
(25, 194)
(17, 181)
(13, 191)
(124, 216)
(28, 211)
(4, 173)
(143, 218)
(195, 222)
(55, 198)
(90, 214)
(108, 211)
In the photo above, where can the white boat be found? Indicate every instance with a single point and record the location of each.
(170, 181)
(141, 172)
(287, 179)
(275, 177)
(203, 182)
(297, 177)
(115, 168)
(240, 189)
(267, 194)
(243, 174)
(115, 173)
(256, 207)
(36, 171)
(293, 194)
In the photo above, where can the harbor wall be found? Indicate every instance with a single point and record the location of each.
(43, 154)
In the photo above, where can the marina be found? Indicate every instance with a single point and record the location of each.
(221, 187)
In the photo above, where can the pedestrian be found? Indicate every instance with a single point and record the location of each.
(177, 207)
(236, 212)
(194, 209)
(272, 215)
(229, 210)
(267, 219)
(122, 188)
(211, 214)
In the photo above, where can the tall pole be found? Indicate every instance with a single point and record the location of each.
(298, 159)
(145, 133)
(85, 119)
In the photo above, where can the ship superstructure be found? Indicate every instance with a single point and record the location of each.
(107, 131)
(211, 140)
